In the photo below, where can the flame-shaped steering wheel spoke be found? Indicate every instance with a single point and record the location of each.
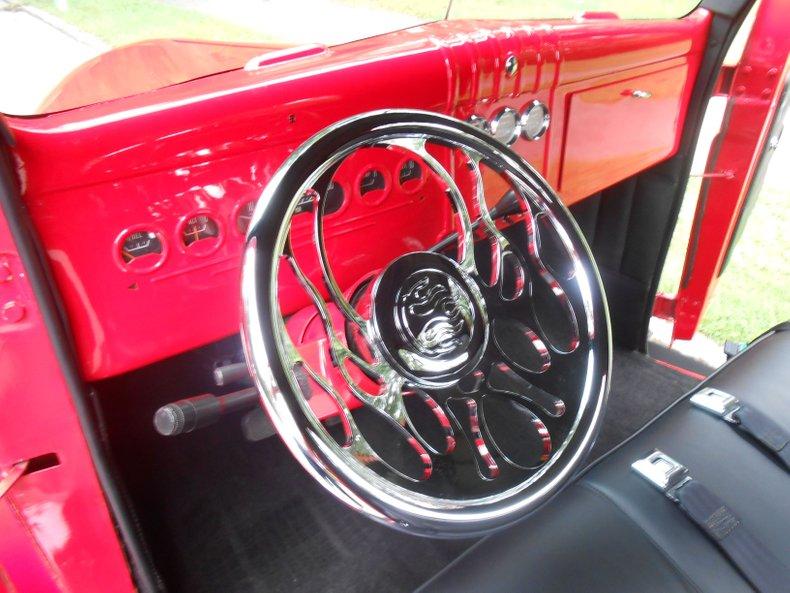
(456, 385)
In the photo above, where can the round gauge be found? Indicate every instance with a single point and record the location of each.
(373, 186)
(200, 234)
(410, 175)
(333, 198)
(140, 249)
(244, 216)
(535, 120)
(505, 126)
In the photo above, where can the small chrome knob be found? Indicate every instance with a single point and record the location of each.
(511, 66)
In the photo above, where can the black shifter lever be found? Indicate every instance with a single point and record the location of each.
(228, 374)
(191, 413)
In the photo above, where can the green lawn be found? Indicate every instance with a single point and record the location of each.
(752, 293)
(120, 22)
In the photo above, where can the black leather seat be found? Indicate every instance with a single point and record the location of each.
(612, 531)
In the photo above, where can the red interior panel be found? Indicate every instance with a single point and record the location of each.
(188, 159)
(621, 128)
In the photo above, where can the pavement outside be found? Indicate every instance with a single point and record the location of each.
(29, 71)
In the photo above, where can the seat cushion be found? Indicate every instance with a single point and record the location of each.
(612, 531)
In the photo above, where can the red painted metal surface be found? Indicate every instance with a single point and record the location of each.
(210, 145)
(681, 370)
(619, 129)
(55, 531)
(756, 85)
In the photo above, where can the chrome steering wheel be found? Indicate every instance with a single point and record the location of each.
(440, 364)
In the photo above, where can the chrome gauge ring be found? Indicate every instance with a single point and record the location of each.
(437, 358)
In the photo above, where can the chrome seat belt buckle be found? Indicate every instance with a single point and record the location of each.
(717, 402)
(663, 472)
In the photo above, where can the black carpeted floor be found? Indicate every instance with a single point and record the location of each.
(641, 388)
(221, 514)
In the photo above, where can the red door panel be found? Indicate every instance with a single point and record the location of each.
(56, 533)
(753, 99)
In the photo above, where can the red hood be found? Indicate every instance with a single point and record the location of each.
(146, 66)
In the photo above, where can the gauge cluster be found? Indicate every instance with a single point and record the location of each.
(140, 249)
(199, 234)
(144, 248)
(507, 124)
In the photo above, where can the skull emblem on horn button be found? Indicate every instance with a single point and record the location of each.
(428, 317)
(436, 316)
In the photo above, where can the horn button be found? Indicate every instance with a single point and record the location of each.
(429, 319)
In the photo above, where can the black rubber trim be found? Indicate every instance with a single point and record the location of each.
(40, 278)
(728, 15)
(753, 560)
(6, 137)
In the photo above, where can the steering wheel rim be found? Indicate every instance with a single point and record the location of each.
(472, 321)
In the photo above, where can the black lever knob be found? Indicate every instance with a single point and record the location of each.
(192, 413)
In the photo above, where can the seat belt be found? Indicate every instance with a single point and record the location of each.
(753, 560)
(747, 419)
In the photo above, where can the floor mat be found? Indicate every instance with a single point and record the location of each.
(222, 514)
(255, 521)
(640, 389)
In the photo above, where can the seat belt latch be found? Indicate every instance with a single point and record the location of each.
(717, 402)
(663, 472)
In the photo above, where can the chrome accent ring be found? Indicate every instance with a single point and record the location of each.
(460, 503)
(545, 121)
(498, 121)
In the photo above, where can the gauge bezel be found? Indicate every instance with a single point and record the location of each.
(234, 215)
(385, 191)
(346, 199)
(130, 266)
(420, 182)
(202, 247)
(495, 121)
(535, 104)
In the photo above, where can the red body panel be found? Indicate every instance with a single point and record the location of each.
(613, 134)
(756, 86)
(55, 531)
(117, 73)
(212, 144)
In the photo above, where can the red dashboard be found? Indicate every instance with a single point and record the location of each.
(142, 202)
